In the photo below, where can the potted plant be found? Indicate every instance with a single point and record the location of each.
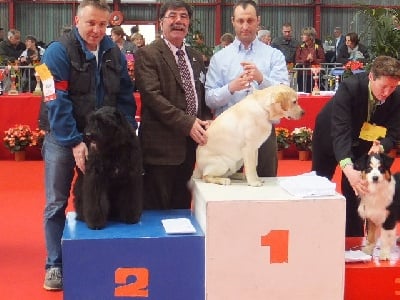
(380, 30)
(301, 137)
(352, 67)
(38, 137)
(16, 139)
(282, 139)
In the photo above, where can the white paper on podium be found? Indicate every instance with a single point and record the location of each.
(356, 256)
(178, 226)
(308, 185)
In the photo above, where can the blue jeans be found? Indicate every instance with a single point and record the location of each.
(59, 172)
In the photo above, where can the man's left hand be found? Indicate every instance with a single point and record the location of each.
(198, 131)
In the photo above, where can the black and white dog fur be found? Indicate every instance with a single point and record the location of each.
(112, 186)
(381, 205)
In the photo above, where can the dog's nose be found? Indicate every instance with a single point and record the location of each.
(302, 112)
(375, 178)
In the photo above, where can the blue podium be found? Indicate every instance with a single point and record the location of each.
(138, 261)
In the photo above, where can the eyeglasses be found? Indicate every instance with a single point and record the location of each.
(175, 16)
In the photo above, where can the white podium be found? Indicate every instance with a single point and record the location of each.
(263, 243)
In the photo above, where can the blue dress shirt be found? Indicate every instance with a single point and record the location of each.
(225, 67)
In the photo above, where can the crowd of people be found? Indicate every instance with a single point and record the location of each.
(180, 97)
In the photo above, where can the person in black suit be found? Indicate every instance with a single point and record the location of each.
(372, 98)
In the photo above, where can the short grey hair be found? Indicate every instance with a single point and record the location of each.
(262, 33)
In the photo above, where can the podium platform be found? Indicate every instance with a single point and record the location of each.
(262, 243)
(372, 280)
(138, 261)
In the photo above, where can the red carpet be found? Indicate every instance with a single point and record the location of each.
(22, 250)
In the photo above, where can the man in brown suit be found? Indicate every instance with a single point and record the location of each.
(169, 134)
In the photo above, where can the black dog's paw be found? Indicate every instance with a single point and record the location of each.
(96, 226)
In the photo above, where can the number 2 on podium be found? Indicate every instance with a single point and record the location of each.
(278, 241)
(138, 288)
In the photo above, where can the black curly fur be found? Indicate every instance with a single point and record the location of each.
(112, 186)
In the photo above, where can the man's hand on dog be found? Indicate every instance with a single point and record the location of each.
(80, 153)
(359, 185)
(198, 131)
(375, 148)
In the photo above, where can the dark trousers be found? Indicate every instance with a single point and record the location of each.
(267, 157)
(166, 186)
(324, 164)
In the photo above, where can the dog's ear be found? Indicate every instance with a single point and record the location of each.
(387, 161)
(276, 111)
(283, 99)
(361, 163)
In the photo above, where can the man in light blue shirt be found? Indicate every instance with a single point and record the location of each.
(244, 65)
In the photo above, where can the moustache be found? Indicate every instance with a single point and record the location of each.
(178, 27)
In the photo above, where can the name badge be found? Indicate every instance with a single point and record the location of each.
(370, 132)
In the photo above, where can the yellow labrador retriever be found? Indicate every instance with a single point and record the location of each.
(235, 136)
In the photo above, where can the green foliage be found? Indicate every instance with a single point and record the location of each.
(380, 33)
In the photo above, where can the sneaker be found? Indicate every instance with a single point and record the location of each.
(53, 279)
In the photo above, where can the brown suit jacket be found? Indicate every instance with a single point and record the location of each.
(164, 124)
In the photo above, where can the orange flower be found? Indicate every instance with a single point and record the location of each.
(37, 137)
(354, 65)
(17, 138)
(282, 137)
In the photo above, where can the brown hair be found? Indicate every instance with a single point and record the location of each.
(137, 35)
(118, 30)
(353, 38)
(386, 66)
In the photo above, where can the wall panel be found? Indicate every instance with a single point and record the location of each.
(44, 21)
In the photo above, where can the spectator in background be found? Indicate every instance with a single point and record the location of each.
(340, 40)
(134, 29)
(118, 36)
(33, 51)
(309, 53)
(352, 50)
(245, 65)
(127, 48)
(200, 45)
(332, 46)
(11, 48)
(225, 40)
(138, 39)
(29, 57)
(286, 43)
(264, 36)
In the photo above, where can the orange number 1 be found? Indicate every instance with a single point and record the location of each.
(278, 241)
(138, 288)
